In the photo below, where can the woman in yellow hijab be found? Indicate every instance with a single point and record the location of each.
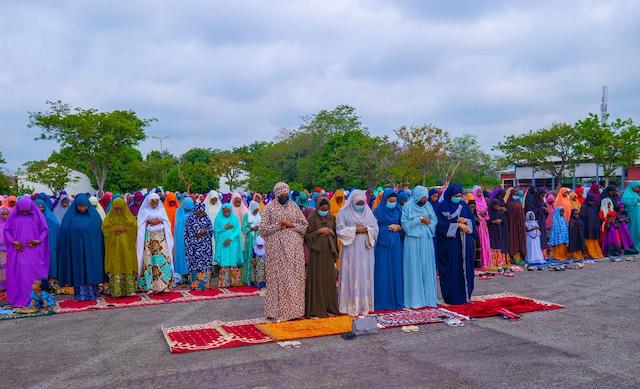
(337, 202)
(120, 230)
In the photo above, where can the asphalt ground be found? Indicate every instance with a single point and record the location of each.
(593, 342)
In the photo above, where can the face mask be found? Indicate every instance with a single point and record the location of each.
(323, 213)
(421, 203)
(283, 200)
(456, 200)
(391, 205)
(359, 208)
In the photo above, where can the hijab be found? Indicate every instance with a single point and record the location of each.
(334, 207)
(138, 197)
(104, 200)
(210, 209)
(481, 202)
(147, 213)
(559, 228)
(241, 210)
(386, 215)
(254, 220)
(595, 191)
(121, 247)
(531, 223)
(58, 209)
(171, 209)
(564, 202)
(353, 217)
(98, 206)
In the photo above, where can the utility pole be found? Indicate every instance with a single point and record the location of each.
(160, 138)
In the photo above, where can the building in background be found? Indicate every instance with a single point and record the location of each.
(80, 184)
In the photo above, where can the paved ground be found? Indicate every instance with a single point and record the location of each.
(594, 342)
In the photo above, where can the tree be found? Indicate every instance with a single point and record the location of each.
(52, 175)
(423, 147)
(465, 162)
(552, 150)
(610, 145)
(97, 138)
(192, 177)
(229, 166)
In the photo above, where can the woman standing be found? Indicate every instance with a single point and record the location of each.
(592, 226)
(171, 205)
(179, 257)
(250, 224)
(388, 280)
(630, 200)
(52, 237)
(283, 228)
(455, 247)
(61, 206)
(80, 258)
(321, 293)
(576, 236)
(138, 198)
(25, 236)
(4, 215)
(498, 237)
(197, 238)
(559, 236)
(120, 260)
(419, 222)
(228, 247)
(482, 212)
(357, 229)
(154, 247)
(534, 250)
(212, 206)
(515, 223)
(563, 200)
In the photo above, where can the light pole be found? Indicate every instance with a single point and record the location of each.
(160, 138)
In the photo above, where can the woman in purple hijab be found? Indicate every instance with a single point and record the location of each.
(138, 198)
(25, 234)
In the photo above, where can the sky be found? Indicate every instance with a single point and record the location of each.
(225, 73)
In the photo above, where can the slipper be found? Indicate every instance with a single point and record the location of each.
(406, 329)
(453, 322)
(508, 315)
(296, 344)
(286, 344)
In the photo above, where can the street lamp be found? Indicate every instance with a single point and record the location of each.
(160, 138)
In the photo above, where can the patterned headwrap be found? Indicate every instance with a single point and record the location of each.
(281, 188)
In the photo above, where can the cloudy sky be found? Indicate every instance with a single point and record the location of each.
(224, 73)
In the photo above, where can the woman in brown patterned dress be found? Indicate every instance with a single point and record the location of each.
(283, 228)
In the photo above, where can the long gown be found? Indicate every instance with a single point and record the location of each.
(120, 260)
(534, 251)
(420, 284)
(321, 293)
(515, 216)
(228, 257)
(455, 250)
(249, 221)
(284, 298)
(80, 258)
(54, 231)
(179, 250)
(198, 248)
(32, 263)
(388, 277)
(482, 212)
(498, 239)
(630, 201)
(357, 257)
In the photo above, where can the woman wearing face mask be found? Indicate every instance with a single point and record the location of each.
(455, 232)
(283, 228)
(321, 293)
(25, 234)
(387, 283)
(80, 257)
(515, 225)
(419, 223)
(120, 261)
(357, 229)
(630, 200)
(154, 247)
(250, 224)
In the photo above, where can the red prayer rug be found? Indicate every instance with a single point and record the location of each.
(145, 300)
(499, 304)
(214, 335)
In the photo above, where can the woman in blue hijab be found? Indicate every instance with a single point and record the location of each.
(54, 230)
(388, 288)
(455, 244)
(80, 254)
(179, 257)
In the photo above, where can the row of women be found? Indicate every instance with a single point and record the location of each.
(536, 225)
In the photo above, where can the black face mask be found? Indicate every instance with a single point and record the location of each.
(421, 203)
(283, 199)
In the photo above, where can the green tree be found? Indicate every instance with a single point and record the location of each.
(52, 175)
(192, 177)
(229, 166)
(553, 150)
(609, 144)
(423, 147)
(466, 163)
(96, 138)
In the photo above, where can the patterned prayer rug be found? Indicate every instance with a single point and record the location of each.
(145, 300)
(307, 328)
(214, 335)
(19, 313)
(416, 317)
(490, 305)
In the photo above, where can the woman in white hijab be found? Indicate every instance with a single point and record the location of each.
(250, 225)
(94, 201)
(212, 206)
(155, 245)
(357, 229)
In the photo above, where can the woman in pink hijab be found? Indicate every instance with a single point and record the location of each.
(549, 200)
(25, 234)
(482, 210)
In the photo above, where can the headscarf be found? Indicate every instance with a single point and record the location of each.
(497, 192)
(348, 213)
(334, 207)
(280, 188)
(260, 252)
(171, 209)
(138, 197)
(589, 215)
(120, 248)
(580, 193)
(257, 197)
(210, 209)
(105, 200)
(58, 209)
(11, 198)
(559, 228)
(199, 249)
(575, 203)
(530, 199)
(254, 220)
(564, 202)
(481, 202)
(115, 196)
(302, 201)
(241, 210)
(595, 191)
(384, 214)
(312, 202)
(180, 263)
(604, 207)
(146, 213)
(45, 199)
(96, 204)
(629, 196)
(530, 224)
(222, 234)
(403, 195)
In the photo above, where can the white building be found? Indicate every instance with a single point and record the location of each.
(81, 184)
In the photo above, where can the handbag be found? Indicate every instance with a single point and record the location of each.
(366, 325)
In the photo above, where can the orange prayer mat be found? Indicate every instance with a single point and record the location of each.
(307, 328)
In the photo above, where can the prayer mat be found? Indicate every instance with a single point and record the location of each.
(490, 305)
(416, 317)
(145, 300)
(214, 335)
(19, 313)
(307, 328)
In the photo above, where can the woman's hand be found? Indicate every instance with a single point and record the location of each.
(227, 243)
